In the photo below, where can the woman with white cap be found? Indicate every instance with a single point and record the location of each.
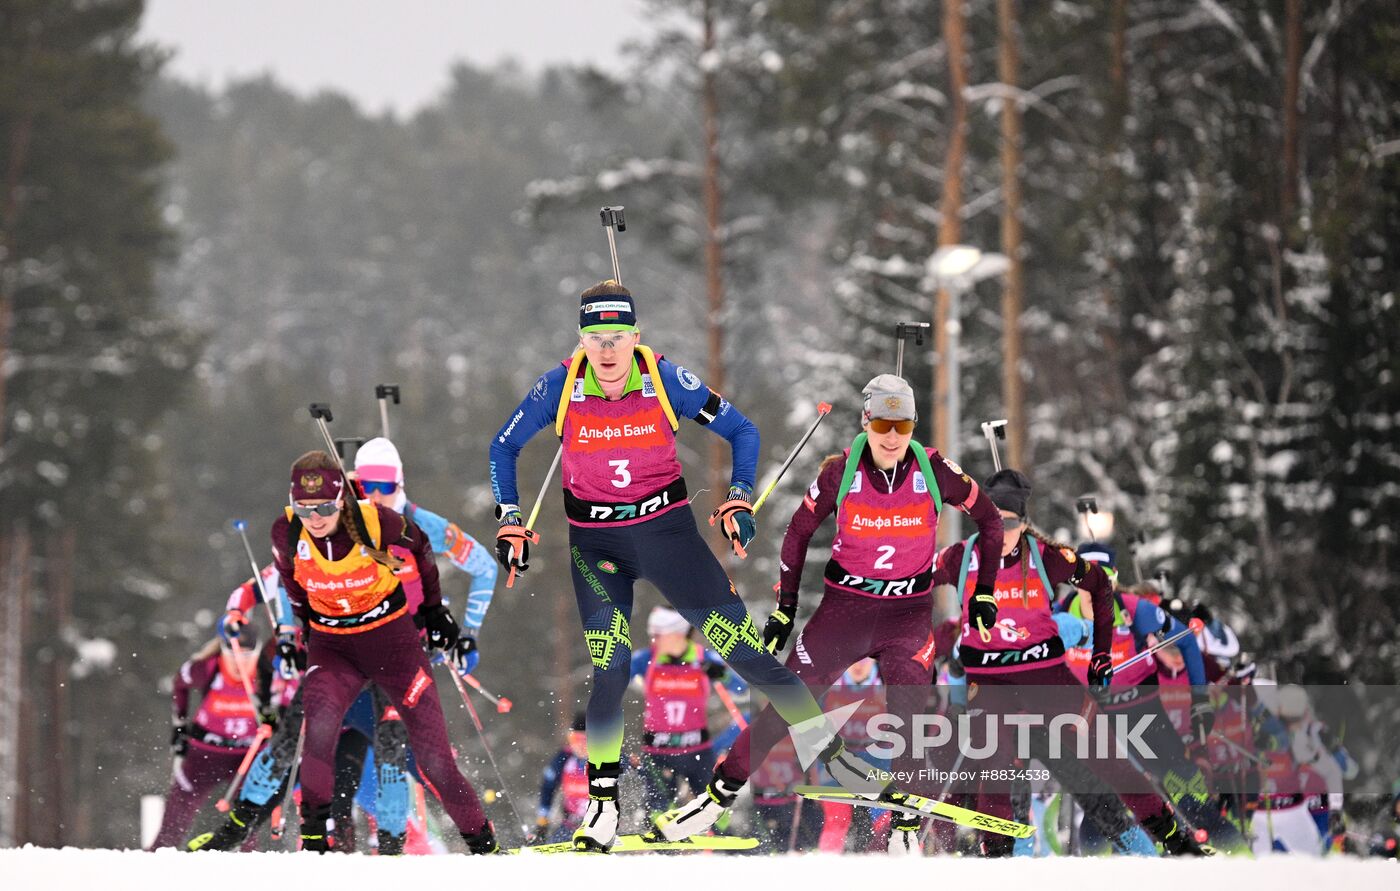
(677, 676)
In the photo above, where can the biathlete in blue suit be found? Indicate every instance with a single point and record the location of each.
(616, 407)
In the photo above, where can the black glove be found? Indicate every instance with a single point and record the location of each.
(1202, 716)
(717, 671)
(982, 611)
(180, 738)
(442, 628)
(269, 713)
(778, 628)
(513, 540)
(1100, 670)
(291, 655)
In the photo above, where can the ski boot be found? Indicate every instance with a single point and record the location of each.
(316, 828)
(390, 843)
(1176, 839)
(230, 835)
(483, 842)
(904, 836)
(698, 815)
(854, 773)
(598, 831)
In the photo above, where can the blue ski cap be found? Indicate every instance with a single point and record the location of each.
(611, 310)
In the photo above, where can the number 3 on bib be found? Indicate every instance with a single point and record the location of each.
(624, 476)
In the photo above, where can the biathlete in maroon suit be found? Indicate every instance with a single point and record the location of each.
(1023, 647)
(1135, 693)
(333, 556)
(886, 492)
(616, 407)
(208, 749)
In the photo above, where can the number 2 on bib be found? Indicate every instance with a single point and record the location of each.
(886, 555)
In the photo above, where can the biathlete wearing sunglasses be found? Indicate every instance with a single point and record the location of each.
(340, 573)
(616, 407)
(886, 492)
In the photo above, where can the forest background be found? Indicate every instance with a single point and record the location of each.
(1199, 203)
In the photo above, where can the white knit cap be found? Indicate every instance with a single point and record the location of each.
(379, 461)
(664, 620)
(888, 396)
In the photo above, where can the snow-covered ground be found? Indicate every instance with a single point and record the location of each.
(42, 869)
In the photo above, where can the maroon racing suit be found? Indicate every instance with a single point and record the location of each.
(878, 584)
(1024, 649)
(222, 730)
(378, 644)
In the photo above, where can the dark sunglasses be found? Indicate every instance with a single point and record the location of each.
(1012, 522)
(885, 425)
(326, 509)
(379, 488)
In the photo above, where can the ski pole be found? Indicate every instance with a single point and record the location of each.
(321, 414)
(1240, 750)
(280, 824)
(502, 704)
(994, 430)
(242, 672)
(823, 409)
(223, 804)
(723, 693)
(1195, 626)
(242, 527)
(476, 720)
(385, 392)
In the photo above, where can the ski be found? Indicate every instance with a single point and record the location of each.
(919, 806)
(633, 844)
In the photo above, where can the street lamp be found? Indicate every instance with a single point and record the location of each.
(957, 268)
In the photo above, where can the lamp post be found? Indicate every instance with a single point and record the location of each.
(958, 268)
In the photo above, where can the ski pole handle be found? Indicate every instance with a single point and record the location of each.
(1195, 626)
(729, 705)
(823, 409)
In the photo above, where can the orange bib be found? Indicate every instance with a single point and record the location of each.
(347, 591)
